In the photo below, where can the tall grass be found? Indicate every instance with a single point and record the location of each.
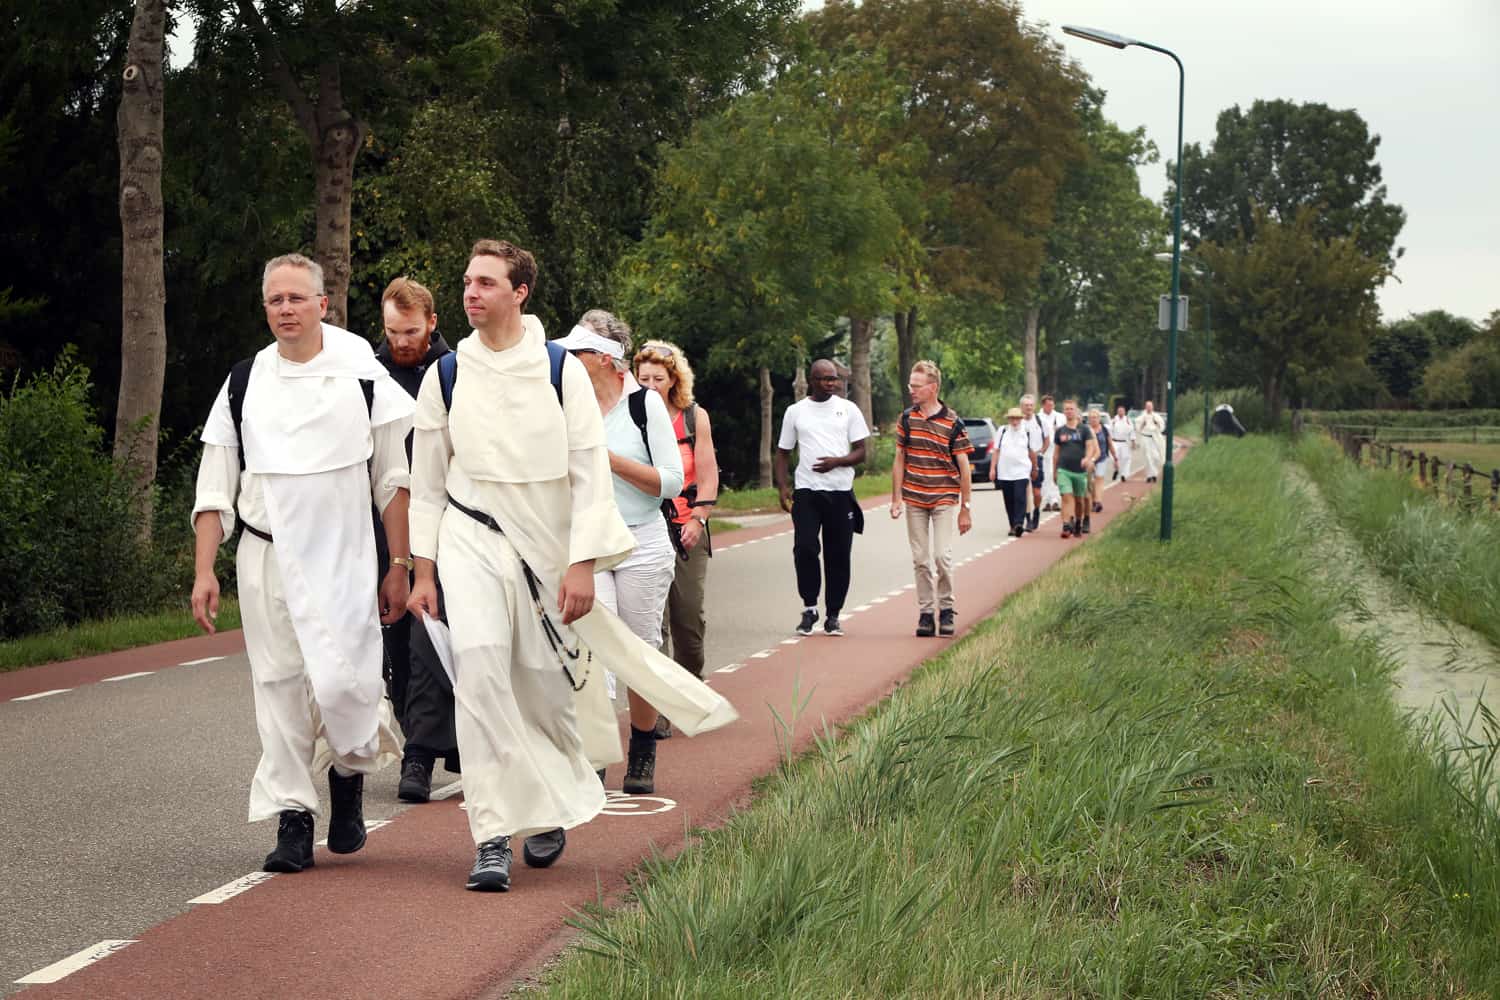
(1249, 407)
(1408, 418)
(1161, 771)
(1448, 558)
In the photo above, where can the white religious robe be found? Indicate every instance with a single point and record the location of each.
(1122, 433)
(500, 451)
(1050, 422)
(314, 460)
(1149, 428)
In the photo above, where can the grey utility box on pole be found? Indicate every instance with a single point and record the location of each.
(1164, 312)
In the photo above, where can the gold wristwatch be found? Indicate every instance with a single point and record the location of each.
(402, 561)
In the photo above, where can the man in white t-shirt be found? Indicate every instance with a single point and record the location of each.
(829, 434)
(1050, 419)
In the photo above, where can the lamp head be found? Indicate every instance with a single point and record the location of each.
(1098, 35)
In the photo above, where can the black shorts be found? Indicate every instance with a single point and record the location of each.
(1036, 476)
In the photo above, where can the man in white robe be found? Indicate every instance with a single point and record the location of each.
(300, 470)
(1150, 433)
(1050, 419)
(1122, 433)
(512, 502)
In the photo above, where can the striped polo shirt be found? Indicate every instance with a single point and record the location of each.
(931, 478)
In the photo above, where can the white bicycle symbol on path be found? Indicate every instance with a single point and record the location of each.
(620, 804)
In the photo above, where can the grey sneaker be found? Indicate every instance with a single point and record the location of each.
(491, 867)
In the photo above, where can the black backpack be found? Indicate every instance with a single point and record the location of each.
(447, 366)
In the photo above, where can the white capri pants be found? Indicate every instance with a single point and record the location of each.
(637, 588)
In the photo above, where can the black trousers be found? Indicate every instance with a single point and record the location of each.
(836, 517)
(1014, 491)
(420, 692)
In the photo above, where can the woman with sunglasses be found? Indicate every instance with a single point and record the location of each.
(663, 367)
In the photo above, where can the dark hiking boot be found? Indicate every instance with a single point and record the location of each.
(640, 769)
(416, 780)
(346, 824)
(925, 625)
(1067, 531)
(809, 619)
(541, 849)
(1098, 507)
(491, 872)
(945, 621)
(294, 843)
(1085, 527)
(1036, 517)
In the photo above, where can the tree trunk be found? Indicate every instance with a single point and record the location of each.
(766, 415)
(1033, 320)
(799, 383)
(334, 151)
(1273, 400)
(906, 346)
(143, 332)
(861, 340)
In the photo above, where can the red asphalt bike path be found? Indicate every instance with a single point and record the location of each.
(395, 920)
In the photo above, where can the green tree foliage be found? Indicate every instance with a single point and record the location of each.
(1291, 303)
(1400, 351)
(767, 226)
(1468, 376)
(991, 99)
(1283, 157)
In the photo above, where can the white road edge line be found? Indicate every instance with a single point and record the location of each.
(762, 654)
(206, 659)
(452, 788)
(730, 668)
(126, 677)
(78, 960)
(791, 642)
(229, 890)
(42, 694)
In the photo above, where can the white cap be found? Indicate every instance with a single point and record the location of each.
(581, 338)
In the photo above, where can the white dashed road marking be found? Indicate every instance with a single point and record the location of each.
(126, 677)
(229, 890)
(206, 659)
(74, 962)
(42, 694)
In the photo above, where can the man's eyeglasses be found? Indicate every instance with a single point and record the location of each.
(294, 300)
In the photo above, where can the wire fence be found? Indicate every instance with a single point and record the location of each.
(1457, 483)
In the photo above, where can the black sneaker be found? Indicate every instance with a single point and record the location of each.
(1067, 531)
(491, 872)
(925, 625)
(640, 768)
(1098, 507)
(416, 780)
(346, 825)
(294, 843)
(1085, 528)
(540, 850)
(809, 619)
(831, 626)
(945, 621)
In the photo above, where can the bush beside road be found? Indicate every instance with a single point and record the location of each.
(1160, 770)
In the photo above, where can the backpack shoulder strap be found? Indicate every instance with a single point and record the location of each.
(906, 425)
(956, 429)
(556, 355)
(447, 366)
(690, 426)
(637, 404)
(367, 386)
(239, 384)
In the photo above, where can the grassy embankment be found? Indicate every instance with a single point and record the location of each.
(1160, 771)
(1449, 559)
(108, 636)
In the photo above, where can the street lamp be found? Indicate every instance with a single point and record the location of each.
(1120, 42)
(1203, 271)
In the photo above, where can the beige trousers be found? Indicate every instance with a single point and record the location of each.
(930, 533)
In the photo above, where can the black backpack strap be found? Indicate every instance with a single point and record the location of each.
(447, 366)
(637, 404)
(556, 355)
(689, 426)
(906, 427)
(239, 383)
(367, 386)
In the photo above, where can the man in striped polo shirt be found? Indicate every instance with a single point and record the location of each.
(931, 479)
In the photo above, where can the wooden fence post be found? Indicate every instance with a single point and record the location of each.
(1495, 490)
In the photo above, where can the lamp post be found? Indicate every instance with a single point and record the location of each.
(1203, 271)
(1120, 42)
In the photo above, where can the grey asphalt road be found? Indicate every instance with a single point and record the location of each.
(125, 800)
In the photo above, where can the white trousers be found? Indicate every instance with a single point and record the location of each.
(1050, 493)
(293, 753)
(1122, 457)
(525, 769)
(636, 590)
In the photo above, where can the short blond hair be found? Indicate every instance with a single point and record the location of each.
(930, 369)
(670, 357)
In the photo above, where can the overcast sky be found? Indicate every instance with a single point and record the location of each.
(1424, 76)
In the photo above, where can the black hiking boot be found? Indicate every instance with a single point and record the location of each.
(1085, 528)
(1034, 520)
(294, 843)
(945, 621)
(416, 780)
(640, 769)
(1067, 529)
(925, 625)
(491, 872)
(346, 824)
(541, 849)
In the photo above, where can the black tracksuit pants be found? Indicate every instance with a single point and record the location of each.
(1014, 491)
(835, 516)
(420, 692)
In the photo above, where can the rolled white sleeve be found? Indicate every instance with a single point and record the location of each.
(388, 470)
(218, 484)
(596, 530)
(431, 451)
